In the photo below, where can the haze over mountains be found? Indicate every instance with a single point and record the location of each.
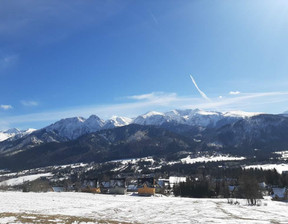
(152, 134)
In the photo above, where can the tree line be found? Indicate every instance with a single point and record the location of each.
(236, 183)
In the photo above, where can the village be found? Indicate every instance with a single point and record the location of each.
(116, 194)
(149, 186)
(194, 186)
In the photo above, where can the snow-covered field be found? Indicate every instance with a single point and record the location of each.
(203, 159)
(279, 167)
(17, 207)
(21, 180)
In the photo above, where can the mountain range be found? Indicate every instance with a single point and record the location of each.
(152, 134)
(14, 132)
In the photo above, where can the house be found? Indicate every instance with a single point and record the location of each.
(280, 194)
(146, 186)
(176, 180)
(132, 186)
(263, 188)
(262, 185)
(90, 186)
(104, 186)
(163, 186)
(117, 186)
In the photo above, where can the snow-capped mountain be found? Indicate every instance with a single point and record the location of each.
(72, 128)
(185, 122)
(192, 117)
(14, 132)
(61, 131)
(78, 139)
(151, 118)
(8, 134)
(75, 127)
(117, 122)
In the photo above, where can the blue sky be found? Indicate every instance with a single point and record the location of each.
(76, 58)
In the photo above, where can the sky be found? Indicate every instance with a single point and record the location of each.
(69, 58)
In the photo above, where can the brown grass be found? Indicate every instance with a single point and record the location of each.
(26, 218)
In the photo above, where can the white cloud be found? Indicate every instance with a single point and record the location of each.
(6, 107)
(142, 97)
(234, 92)
(155, 101)
(29, 103)
(152, 96)
(201, 93)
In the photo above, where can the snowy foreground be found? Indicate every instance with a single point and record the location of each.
(18, 207)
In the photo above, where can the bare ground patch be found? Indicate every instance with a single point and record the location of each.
(26, 218)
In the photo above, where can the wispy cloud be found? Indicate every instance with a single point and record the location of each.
(199, 90)
(6, 107)
(152, 96)
(245, 101)
(234, 93)
(29, 103)
(142, 97)
(152, 101)
(155, 101)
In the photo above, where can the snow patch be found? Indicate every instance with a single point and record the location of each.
(4, 135)
(241, 114)
(280, 168)
(22, 179)
(6, 220)
(202, 159)
(283, 154)
(176, 180)
(152, 113)
(207, 113)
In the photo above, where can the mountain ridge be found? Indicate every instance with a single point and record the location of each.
(68, 129)
(14, 132)
(153, 133)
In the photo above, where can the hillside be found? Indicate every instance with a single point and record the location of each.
(132, 141)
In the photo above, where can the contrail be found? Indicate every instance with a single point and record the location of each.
(154, 18)
(199, 90)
